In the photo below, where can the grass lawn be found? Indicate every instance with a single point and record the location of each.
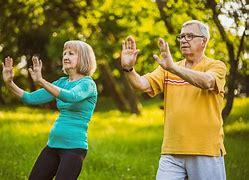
(121, 146)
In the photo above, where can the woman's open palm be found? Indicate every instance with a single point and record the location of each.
(8, 73)
(35, 71)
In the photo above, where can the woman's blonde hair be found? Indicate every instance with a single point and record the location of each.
(86, 63)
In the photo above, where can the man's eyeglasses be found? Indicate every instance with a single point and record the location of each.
(188, 37)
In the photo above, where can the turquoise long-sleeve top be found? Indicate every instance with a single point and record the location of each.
(76, 103)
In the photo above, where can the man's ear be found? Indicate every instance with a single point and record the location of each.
(204, 41)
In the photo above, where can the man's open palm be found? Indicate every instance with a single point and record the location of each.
(129, 53)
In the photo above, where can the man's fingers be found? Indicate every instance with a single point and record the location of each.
(136, 52)
(167, 47)
(133, 44)
(157, 58)
(161, 41)
(126, 45)
(129, 44)
(164, 48)
(123, 45)
(163, 45)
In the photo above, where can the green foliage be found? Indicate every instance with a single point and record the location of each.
(31, 27)
(121, 146)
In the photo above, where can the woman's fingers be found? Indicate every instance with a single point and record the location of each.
(8, 62)
(37, 63)
(30, 71)
(34, 60)
(40, 63)
(11, 62)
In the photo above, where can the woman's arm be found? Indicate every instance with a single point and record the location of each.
(36, 75)
(15, 89)
(8, 76)
(81, 91)
(37, 97)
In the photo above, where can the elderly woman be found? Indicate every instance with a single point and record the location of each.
(76, 96)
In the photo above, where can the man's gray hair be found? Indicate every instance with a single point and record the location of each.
(204, 29)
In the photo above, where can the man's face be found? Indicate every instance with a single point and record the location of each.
(190, 44)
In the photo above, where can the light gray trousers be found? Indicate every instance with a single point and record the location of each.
(182, 167)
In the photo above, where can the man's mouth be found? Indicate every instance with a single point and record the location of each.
(185, 47)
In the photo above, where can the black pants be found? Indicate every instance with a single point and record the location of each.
(62, 163)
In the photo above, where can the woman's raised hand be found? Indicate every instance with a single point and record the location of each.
(7, 72)
(35, 71)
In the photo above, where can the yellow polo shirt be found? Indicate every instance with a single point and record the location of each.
(193, 121)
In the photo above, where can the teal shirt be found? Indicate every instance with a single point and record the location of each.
(76, 103)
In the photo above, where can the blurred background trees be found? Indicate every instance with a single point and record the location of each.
(41, 27)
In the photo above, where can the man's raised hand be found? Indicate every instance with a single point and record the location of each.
(129, 53)
(166, 62)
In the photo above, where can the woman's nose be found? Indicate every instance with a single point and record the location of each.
(65, 57)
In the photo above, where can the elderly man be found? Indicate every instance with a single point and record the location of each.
(193, 89)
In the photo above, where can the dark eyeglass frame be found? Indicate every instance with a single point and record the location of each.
(190, 38)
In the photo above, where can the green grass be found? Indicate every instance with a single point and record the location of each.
(121, 146)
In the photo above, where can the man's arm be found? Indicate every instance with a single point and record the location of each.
(138, 82)
(128, 60)
(203, 80)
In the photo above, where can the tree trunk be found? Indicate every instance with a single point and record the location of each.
(161, 4)
(1, 98)
(112, 86)
(129, 93)
(232, 60)
(231, 83)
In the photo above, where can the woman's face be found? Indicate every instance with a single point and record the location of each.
(70, 58)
